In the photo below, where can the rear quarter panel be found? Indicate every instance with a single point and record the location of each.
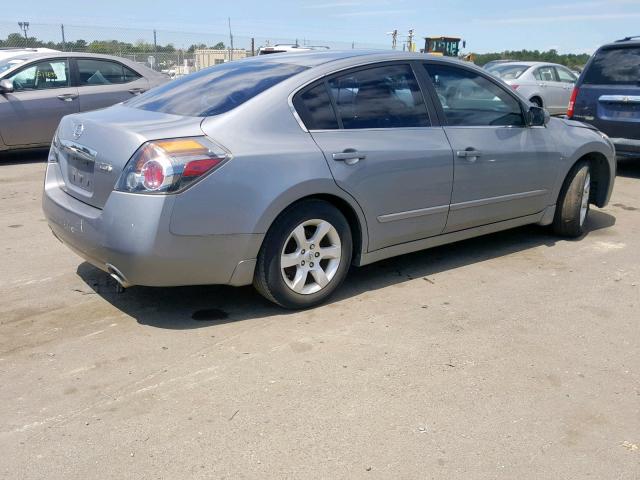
(274, 164)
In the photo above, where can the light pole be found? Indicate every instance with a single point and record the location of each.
(24, 26)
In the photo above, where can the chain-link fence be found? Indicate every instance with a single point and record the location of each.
(169, 51)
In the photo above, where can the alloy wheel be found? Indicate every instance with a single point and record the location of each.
(311, 256)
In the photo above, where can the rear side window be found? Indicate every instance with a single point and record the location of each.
(314, 107)
(216, 89)
(104, 72)
(615, 66)
(380, 97)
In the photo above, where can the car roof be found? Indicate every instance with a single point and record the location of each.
(314, 58)
(30, 56)
(624, 42)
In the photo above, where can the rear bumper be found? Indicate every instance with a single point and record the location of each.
(627, 147)
(131, 236)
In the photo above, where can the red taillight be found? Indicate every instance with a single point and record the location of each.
(153, 175)
(195, 168)
(170, 165)
(572, 102)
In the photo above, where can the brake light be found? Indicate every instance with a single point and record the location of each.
(169, 166)
(572, 102)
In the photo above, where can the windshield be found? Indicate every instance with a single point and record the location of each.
(8, 63)
(215, 90)
(508, 72)
(615, 66)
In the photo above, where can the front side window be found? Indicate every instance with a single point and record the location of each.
(42, 75)
(380, 97)
(314, 108)
(469, 99)
(565, 76)
(103, 72)
(545, 74)
(216, 89)
(614, 66)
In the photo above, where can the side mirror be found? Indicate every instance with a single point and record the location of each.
(6, 86)
(537, 116)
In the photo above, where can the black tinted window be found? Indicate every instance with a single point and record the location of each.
(215, 90)
(381, 97)
(314, 107)
(616, 66)
(469, 99)
(101, 72)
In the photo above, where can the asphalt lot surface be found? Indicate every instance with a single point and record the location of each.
(515, 355)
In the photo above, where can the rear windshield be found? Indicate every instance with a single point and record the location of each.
(508, 72)
(615, 66)
(215, 90)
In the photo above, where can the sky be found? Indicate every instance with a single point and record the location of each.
(486, 25)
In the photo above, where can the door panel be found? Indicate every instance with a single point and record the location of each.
(511, 177)
(502, 169)
(403, 184)
(546, 76)
(374, 130)
(42, 96)
(102, 83)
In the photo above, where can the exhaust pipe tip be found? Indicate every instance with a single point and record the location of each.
(118, 276)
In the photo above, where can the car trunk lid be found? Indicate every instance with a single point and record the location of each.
(94, 147)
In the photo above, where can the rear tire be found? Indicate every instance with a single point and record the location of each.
(305, 255)
(573, 204)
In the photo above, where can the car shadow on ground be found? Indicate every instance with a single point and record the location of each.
(201, 306)
(38, 155)
(629, 167)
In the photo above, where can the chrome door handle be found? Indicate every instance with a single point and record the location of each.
(470, 154)
(349, 156)
(136, 91)
(68, 97)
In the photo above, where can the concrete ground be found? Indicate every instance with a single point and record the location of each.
(515, 355)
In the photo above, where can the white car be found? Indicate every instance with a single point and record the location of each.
(288, 48)
(13, 52)
(546, 85)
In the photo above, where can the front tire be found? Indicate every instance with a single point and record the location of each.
(537, 101)
(573, 204)
(305, 256)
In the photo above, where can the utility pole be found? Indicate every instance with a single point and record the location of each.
(24, 26)
(230, 41)
(353, 45)
(394, 38)
(410, 41)
(253, 46)
(155, 41)
(64, 43)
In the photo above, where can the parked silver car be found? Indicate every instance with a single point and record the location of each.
(284, 170)
(38, 88)
(546, 85)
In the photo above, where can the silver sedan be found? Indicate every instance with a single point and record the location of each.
(37, 89)
(285, 170)
(546, 85)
